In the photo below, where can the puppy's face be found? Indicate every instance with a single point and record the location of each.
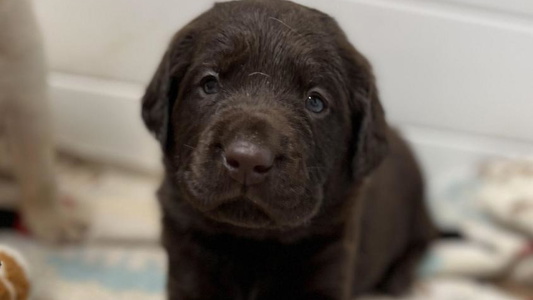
(262, 109)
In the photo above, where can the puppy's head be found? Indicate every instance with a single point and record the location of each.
(264, 112)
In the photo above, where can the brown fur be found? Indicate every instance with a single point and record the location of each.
(341, 211)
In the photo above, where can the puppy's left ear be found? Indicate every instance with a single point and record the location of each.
(369, 128)
(163, 90)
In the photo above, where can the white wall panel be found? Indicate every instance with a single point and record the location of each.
(453, 70)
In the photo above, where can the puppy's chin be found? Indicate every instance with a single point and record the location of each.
(242, 213)
(247, 213)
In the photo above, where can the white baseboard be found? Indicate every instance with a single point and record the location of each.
(101, 120)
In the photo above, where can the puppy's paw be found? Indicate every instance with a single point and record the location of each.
(66, 220)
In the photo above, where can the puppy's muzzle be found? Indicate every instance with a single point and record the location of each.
(247, 162)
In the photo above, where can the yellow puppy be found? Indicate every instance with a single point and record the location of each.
(25, 124)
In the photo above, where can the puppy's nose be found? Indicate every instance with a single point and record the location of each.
(247, 162)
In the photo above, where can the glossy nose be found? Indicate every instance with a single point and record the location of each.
(247, 162)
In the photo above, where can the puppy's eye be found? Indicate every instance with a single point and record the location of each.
(210, 85)
(315, 103)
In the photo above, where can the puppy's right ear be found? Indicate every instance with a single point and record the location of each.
(163, 90)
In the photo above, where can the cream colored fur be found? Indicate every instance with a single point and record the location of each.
(25, 124)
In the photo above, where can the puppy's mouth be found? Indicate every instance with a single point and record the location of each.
(241, 212)
(277, 205)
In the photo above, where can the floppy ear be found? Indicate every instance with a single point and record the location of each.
(161, 93)
(369, 128)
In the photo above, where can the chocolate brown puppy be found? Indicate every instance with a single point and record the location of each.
(283, 180)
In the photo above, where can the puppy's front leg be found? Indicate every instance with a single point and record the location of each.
(335, 263)
(334, 276)
(194, 273)
(335, 267)
(29, 135)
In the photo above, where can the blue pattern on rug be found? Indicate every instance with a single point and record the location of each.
(118, 276)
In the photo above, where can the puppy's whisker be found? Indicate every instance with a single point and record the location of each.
(259, 73)
(285, 24)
